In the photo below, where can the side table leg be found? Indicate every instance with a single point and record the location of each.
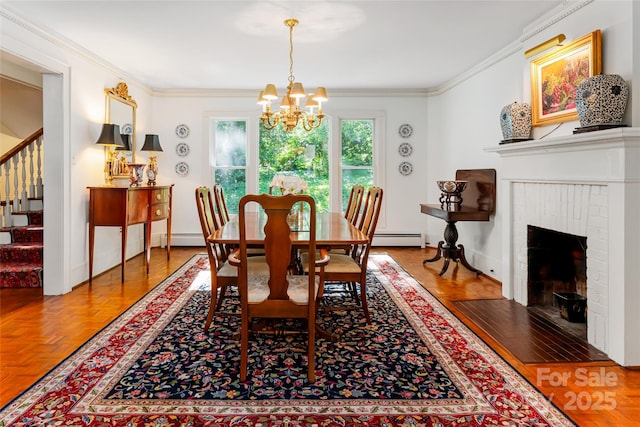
(464, 261)
(438, 254)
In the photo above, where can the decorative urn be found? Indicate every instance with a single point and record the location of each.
(515, 121)
(602, 100)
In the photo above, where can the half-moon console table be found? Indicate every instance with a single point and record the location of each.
(124, 206)
(480, 196)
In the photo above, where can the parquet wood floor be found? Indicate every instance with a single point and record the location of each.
(37, 332)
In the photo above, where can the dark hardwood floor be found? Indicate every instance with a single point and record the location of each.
(37, 332)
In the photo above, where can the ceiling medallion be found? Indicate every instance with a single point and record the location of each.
(290, 114)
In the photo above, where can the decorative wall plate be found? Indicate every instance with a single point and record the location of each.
(182, 131)
(405, 168)
(127, 129)
(405, 130)
(405, 149)
(182, 149)
(182, 168)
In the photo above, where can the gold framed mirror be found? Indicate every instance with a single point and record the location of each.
(120, 109)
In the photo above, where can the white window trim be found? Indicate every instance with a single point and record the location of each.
(335, 153)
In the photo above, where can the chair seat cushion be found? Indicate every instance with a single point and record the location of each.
(257, 265)
(339, 263)
(258, 288)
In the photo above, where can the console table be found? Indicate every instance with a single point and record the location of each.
(124, 206)
(480, 195)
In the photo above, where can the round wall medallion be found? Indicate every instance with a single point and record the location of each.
(405, 130)
(405, 149)
(182, 149)
(405, 168)
(182, 131)
(182, 169)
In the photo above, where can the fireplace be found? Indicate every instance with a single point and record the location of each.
(557, 277)
(585, 185)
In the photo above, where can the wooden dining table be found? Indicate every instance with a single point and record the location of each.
(332, 229)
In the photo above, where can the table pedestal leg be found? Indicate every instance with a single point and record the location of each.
(448, 250)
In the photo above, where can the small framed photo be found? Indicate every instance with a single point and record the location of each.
(556, 76)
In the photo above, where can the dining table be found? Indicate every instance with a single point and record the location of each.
(332, 229)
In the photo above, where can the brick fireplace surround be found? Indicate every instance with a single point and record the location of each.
(586, 184)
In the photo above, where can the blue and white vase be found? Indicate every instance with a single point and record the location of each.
(515, 121)
(602, 100)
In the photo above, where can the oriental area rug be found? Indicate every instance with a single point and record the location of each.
(415, 365)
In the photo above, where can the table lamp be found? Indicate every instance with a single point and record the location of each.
(151, 143)
(110, 137)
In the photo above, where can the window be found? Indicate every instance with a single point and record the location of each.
(356, 166)
(230, 159)
(341, 152)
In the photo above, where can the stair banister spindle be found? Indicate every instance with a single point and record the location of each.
(24, 200)
(32, 186)
(39, 187)
(16, 187)
(6, 211)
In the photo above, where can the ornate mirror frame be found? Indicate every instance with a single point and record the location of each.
(120, 109)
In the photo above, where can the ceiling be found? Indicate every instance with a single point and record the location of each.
(244, 44)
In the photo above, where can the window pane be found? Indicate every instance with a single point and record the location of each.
(357, 155)
(350, 177)
(304, 153)
(233, 184)
(231, 143)
(357, 142)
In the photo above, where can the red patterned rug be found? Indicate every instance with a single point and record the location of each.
(415, 365)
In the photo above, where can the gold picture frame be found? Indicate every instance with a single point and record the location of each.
(556, 76)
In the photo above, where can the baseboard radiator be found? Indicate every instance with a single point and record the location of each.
(399, 239)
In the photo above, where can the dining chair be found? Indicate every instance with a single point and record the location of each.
(223, 274)
(354, 204)
(221, 211)
(279, 294)
(351, 269)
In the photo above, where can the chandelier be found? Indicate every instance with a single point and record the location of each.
(290, 113)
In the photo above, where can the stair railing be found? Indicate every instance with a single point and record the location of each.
(14, 196)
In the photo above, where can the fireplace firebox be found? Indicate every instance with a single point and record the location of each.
(557, 276)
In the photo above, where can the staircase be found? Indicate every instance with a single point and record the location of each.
(21, 258)
(21, 214)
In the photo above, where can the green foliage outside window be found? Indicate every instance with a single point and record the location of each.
(302, 152)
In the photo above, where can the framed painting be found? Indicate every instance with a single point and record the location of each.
(555, 77)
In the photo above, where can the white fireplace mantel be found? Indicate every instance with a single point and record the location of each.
(586, 184)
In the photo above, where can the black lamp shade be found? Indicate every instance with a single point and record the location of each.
(110, 135)
(126, 139)
(151, 143)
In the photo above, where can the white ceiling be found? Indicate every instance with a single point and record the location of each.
(244, 44)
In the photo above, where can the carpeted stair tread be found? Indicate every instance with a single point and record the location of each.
(21, 261)
(29, 233)
(21, 275)
(21, 252)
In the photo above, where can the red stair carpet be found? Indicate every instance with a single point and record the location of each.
(21, 260)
